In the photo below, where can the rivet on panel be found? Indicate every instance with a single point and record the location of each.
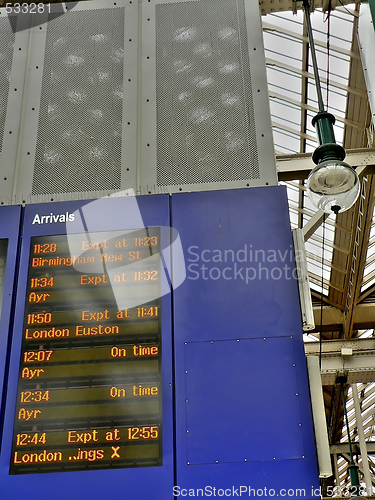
(187, 401)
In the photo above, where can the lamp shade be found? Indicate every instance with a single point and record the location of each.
(333, 186)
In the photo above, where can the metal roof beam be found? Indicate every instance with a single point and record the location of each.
(343, 448)
(298, 166)
(333, 48)
(334, 346)
(269, 6)
(332, 83)
(357, 368)
(314, 109)
(333, 318)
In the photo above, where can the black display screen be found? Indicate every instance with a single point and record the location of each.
(89, 387)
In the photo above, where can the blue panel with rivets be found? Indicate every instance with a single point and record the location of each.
(10, 218)
(243, 415)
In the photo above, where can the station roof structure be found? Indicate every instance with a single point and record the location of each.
(340, 249)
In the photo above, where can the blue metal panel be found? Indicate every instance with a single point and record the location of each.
(238, 399)
(136, 483)
(9, 228)
(236, 374)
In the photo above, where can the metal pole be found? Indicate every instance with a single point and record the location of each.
(306, 9)
(336, 469)
(362, 442)
(353, 468)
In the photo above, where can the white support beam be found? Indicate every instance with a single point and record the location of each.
(291, 34)
(334, 347)
(362, 442)
(301, 163)
(269, 6)
(272, 63)
(314, 222)
(314, 109)
(336, 468)
(354, 359)
(342, 448)
(319, 417)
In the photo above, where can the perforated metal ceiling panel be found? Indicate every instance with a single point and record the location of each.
(205, 116)
(6, 57)
(72, 141)
(151, 95)
(13, 63)
(210, 129)
(80, 118)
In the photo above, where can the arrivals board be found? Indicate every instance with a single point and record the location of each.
(90, 371)
(89, 387)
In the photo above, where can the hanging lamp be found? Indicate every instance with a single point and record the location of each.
(332, 185)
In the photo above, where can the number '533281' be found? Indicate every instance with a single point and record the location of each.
(27, 8)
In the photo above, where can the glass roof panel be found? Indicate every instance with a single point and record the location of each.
(369, 271)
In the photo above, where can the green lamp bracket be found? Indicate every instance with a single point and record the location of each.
(327, 149)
